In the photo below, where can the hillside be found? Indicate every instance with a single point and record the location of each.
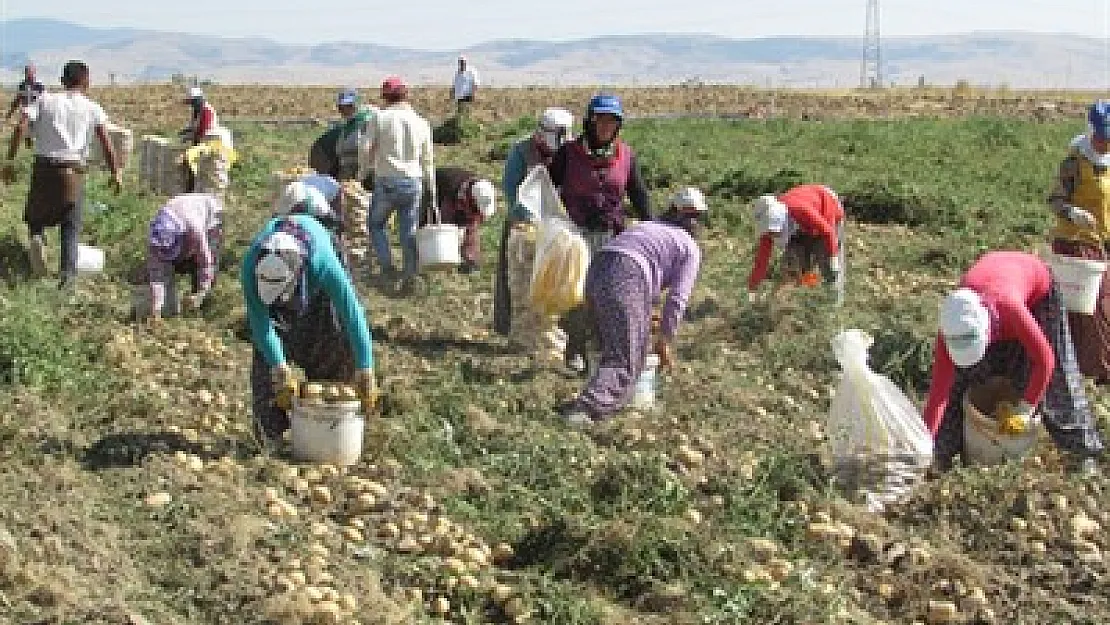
(1014, 58)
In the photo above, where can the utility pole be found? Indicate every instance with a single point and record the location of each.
(871, 68)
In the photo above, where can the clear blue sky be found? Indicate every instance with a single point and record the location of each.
(441, 25)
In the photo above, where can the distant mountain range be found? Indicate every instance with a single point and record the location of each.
(1017, 59)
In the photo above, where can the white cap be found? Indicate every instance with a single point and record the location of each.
(306, 194)
(965, 325)
(770, 214)
(689, 197)
(323, 183)
(555, 118)
(194, 92)
(276, 271)
(485, 195)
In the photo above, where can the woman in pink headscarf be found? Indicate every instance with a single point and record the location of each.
(186, 236)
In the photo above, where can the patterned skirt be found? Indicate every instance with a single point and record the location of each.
(1066, 412)
(1091, 333)
(618, 299)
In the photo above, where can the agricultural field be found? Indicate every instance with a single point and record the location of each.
(131, 490)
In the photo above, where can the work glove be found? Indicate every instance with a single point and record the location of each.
(663, 350)
(285, 386)
(1020, 420)
(1081, 217)
(367, 388)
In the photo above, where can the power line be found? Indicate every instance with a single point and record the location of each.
(871, 67)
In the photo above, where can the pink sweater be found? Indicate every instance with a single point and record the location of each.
(816, 212)
(200, 213)
(1010, 283)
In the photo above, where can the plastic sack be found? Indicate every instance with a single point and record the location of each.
(537, 195)
(559, 269)
(870, 415)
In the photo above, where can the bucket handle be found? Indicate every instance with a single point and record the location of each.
(432, 212)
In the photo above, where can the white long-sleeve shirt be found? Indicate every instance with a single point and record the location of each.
(401, 141)
(466, 82)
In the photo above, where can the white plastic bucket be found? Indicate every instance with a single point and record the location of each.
(643, 397)
(438, 247)
(328, 433)
(90, 259)
(983, 443)
(1079, 280)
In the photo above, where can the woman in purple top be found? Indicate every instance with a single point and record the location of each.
(625, 277)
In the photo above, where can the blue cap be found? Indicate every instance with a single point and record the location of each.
(347, 97)
(1098, 116)
(605, 103)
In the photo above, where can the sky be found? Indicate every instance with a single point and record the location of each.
(441, 25)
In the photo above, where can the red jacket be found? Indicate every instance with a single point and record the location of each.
(816, 211)
(1010, 284)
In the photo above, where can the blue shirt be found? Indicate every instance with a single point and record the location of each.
(322, 271)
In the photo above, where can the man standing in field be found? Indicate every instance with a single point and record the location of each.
(27, 93)
(404, 177)
(465, 87)
(64, 123)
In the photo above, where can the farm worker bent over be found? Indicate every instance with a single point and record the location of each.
(625, 278)
(536, 150)
(465, 200)
(186, 237)
(1081, 201)
(352, 147)
(807, 223)
(594, 173)
(203, 121)
(64, 124)
(300, 302)
(1007, 319)
(404, 177)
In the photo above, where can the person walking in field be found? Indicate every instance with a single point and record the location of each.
(27, 92)
(594, 173)
(352, 146)
(625, 278)
(807, 223)
(536, 150)
(1080, 200)
(303, 310)
(464, 87)
(64, 124)
(404, 178)
(1007, 319)
(186, 237)
(466, 200)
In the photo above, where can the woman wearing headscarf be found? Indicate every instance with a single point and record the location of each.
(186, 237)
(626, 277)
(1007, 319)
(352, 147)
(807, 224)
(594, 173)
(302, 309)
(1081, 202)
(536, 150)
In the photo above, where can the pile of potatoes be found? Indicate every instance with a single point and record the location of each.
(318, 393)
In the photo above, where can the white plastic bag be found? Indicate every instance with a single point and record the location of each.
(870, 415)
(559, 268)
(537, 194)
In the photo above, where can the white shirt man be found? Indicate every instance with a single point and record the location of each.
(64, 124)
(466, 83)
